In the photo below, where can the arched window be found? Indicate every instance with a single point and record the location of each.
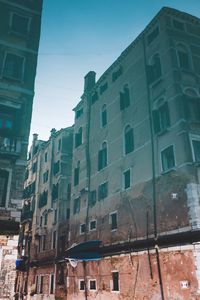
(154, 69)
(128, 139)
(102, 157)
(103, 116)
(183, 57)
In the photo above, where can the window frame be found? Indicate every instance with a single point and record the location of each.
(112, 283)
(81, 232)
(7, 77)
(79, 284)
(123, 179)
(13, 31)
(124, 139)
(89, 286)
(91, 221)
(110, 220)
(161, 158)
(194, 137)
(51, 288)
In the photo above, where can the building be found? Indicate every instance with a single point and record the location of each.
(20, 33)
(132, 231)
(45, 212)
(136, 168)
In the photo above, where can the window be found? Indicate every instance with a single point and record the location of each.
(92, 284)
(55, 215)
(93, 225)
(45, 219)
(59, 144)
(92, 198)
(13, 66)
(196, 150)
(167, 156)
(103, 191)
(51, 283)
(46, 157)
(102, 157)
(60, 278)
(76, 205)
(128, 139)
(43, 199)
(103, 116)
(127, 179)
(154, 69)
(45, 176)
(82, 228)
(117, 73)
(34, 167)
(124, 98)
(81, 285)
(56, 167)
(79, 113)
(103, 88)
(78, 138)
(76, 174)
(6, 122)
(55, 191)
(178, 25)
(41, 219)
(183, 57)
(113, 220)
(54, 240)
(3, 187)
(20, 24)
(94, 97)
(152, 36)
(68, 213)
(192, 108)
(44, 242)
(115, 281)
(41, 283)
(161, 119)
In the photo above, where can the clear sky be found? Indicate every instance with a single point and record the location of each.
(82, 35)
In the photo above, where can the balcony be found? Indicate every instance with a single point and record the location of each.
(10, 146)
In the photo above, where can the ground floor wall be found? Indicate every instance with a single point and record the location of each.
(170, 273)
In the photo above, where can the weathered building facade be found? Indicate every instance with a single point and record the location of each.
(45, 212)
(137, 153)
(20, 33)
(134, 179)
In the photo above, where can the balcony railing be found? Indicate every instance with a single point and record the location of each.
(11, 146)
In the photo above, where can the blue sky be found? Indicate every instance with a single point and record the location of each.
(82, 35)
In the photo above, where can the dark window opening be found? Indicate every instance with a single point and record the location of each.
(93, 225)
(168, 161)
(152, 36)
(117, 74)
(55, 191)
(94, 97)
(3, 187)
(103, 116)
(43, 199)
(52, 283)
(92, 198)
(103, 191)
(41, 284)
(13, 66)
(77, 205)
(20, 24)
(124, 98)
(113, 221)
(56, 167)
(79, 113)
(128, 139)
(154, 69)
(46, 157)
(78, 138)
(192, 108)
(115, 278)
(161, 120)
(45, 219)
(76, 174)
(82, 228)
(45, 176)
(54, 240)
(127, 179)
(82, 285)
(196, 148)
(92, 284)
(103, 88)
(102, 157)
(34, 167)
(59, 144)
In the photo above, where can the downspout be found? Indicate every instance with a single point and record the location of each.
(153, 169)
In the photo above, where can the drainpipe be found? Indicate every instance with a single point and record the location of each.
(153, 169)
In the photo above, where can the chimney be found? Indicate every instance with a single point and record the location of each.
(53, 132)
(35, 137)
(89, 81)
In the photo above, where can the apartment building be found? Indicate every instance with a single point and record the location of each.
(45, 212)
(135, 169)
(20, 33)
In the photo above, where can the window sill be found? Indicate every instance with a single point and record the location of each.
(168, 171)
